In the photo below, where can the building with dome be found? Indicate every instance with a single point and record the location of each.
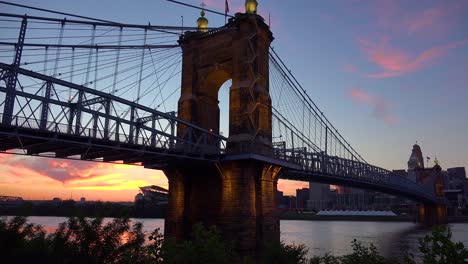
(153, 194)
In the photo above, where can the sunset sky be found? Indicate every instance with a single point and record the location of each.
(386, 74)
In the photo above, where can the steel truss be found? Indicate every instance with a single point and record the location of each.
(49, 119)
(319, 167)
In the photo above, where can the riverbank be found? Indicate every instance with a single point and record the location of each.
(399, 218)
(314, 217)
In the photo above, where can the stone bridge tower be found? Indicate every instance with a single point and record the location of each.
(431, 179)
(238, 194)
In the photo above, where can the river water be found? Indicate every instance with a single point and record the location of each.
(323, 237)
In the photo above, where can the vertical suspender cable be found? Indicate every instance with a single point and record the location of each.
(96, 63)
(116, 70)
(141, 67)
(46, 57)
(72, 70)
(90, 56)
(57, 53)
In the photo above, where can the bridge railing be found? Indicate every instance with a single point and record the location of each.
(63, 129)
(94, 114)
(313, 163)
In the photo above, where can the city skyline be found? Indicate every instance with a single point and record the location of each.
(383, 100)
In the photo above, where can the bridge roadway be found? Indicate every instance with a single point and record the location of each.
(156, 144)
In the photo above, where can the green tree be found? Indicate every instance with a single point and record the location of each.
(281, 253)
(206, 246)
(438, 248)
(363, 255)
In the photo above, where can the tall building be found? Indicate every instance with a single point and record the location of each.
(416, 161)
(465, 188)
(302, 196)
(319, 196)
(456, 189)
(282, 203)
(456, 178)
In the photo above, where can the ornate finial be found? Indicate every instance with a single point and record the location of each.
(436, 161)
(251, 6)
(202, 13)
(202, 22)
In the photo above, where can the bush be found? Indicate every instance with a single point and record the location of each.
(81, 240)
(361, 255)
(76, 241)
(206, 246)
(282, 253)
(438, 248)
(21, 242)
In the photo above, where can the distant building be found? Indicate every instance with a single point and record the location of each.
(282, 204)
(138, 197)
(456, 178)
(292, 202)
(11, 199)
(319, 196)
(465, 188)
(82, 200)
(455, 189)
(288, 202)
(453, 182)
(302, 196)
(153, 194)
(416, 161)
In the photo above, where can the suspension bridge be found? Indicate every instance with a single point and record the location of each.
(147, 95)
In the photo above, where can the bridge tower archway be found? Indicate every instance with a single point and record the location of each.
(237, 52)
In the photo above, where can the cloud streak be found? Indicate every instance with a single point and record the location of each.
(395, 62)
(379, 105)
(46, 175)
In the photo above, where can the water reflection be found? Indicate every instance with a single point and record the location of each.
(335, 237)
(323, 237)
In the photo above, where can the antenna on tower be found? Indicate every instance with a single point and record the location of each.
(269, 20)
(182, 17)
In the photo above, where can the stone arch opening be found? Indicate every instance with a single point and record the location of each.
(224, 107)
(211, 86)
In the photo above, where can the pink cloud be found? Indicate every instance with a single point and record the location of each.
(25, 175)
(435, 20)
(395, 62)
(289, 187)
(378, 104)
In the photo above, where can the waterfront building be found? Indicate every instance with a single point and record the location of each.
(302, 196)
(319, 196)
(456, 178)
(153, 194)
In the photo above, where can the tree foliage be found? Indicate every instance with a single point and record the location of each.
(438, 248)
(83, 240)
